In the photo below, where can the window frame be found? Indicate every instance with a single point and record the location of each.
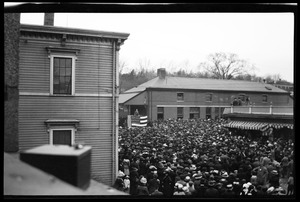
(266, 96)
(56, 55)
(208, 115)
(193, 112)
(72, 129)
(211, 97)
(180, 100)
(161, 113)
(179, 114)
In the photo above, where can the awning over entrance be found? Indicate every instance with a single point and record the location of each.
(252, 125)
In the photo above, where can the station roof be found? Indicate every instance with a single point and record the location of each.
(206, 84)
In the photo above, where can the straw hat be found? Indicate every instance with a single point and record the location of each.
(121, 174)
(225, 174)
(198, 176)
(143, 180)
(179, 186)
(187, 178)
(152, 168)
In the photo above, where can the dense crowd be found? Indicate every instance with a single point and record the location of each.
(202, 158)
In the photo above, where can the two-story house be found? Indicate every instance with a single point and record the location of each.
(68, 92)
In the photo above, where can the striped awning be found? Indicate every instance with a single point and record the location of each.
(251, 125)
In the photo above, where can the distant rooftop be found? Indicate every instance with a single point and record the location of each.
(206, 84)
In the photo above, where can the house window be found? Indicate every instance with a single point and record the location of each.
(160, 113)
(264, 98)
(62, 136)
(208, 97)
(62, 131)
(208, 112)
(179, 112)
(62, 75)
(194, 112)
(221, 111)
(180, 97)
(217, 112)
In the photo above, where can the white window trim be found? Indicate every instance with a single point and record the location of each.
(52, 56)
(62, 128)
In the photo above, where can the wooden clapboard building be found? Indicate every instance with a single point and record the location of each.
(166, 97)
(68, 93)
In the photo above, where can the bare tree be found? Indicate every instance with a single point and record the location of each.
(225, 65)
(276, 77)
(122, 64)
(144, 64)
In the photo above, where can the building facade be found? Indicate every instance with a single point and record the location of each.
(68, 92)
(177, 97)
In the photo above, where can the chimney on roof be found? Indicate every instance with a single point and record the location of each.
(161, 73)
(49, 19)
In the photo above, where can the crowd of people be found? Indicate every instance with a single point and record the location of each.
(202, 158)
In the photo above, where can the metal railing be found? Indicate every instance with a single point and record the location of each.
(252, 109)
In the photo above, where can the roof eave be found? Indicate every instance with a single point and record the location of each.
(74, 31)
(203, 89)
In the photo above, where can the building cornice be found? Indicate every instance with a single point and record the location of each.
(71, 34)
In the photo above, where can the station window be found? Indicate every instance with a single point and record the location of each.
(264, 98)
(160, 113)
(208, 112)
(179, 112)
(208, 97)
(180, 97)
(194, 112)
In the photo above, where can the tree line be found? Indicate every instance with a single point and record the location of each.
(218, 66)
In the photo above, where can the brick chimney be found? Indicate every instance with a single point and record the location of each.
(161, 73)
(49, 19)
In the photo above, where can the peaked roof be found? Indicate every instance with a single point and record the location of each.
(206, 84)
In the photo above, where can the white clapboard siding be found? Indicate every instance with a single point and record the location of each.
(92, 104)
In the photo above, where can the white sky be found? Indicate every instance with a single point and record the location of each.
(183, 40)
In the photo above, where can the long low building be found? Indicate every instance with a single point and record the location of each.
(166, 97)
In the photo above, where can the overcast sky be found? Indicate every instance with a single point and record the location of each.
(183, 40)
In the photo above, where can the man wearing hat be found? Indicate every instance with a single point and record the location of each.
(179, 189)
(134, 179)
(274, 178)
(142, 188)
(119, 183)
(126, 184)
(153, 183)
(168, 182)
(152, 170)
(197, 183)
(211, 191)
